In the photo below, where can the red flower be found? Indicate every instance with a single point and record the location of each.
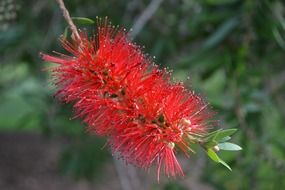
(121, 95)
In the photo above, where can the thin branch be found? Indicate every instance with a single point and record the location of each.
(68, 19)
(144, 17)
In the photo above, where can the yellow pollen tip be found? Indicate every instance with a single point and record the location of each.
(171, 145)
(185, 122)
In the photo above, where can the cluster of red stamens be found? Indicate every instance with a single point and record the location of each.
(120, 94)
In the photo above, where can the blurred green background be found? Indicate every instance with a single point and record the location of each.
(232, 52)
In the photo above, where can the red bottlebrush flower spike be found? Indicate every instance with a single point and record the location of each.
(120, 94)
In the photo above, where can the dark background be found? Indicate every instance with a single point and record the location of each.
(231, 52)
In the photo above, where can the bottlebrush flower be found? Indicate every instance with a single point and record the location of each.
(120, 94)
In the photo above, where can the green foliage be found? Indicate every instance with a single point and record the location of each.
(229, 146)
(174, 186)
(84, 158)
(83, 21)
(216, 141)
(220, 134)
(213, 155)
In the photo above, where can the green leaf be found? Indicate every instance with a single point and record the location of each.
(229, 146)
(83, 20)
(210, 144)
(213, 155)
(214, 132)
(225, 164)
(79, 21)
(224, 133)
(227, 138)
(220, 134)
(221, 33)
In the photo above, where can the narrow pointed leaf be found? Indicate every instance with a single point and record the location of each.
(83, 20)
(214, 132)
(210, 144)
(220, 134)
(224, 133)
(225, 164)
(227, 138)
(213, 155)
(221, 33)
(229, 146)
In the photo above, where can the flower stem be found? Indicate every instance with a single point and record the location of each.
(68, 19)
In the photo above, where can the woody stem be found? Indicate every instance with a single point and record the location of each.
(68, 19)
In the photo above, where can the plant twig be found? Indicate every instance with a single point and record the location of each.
(69, 21)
